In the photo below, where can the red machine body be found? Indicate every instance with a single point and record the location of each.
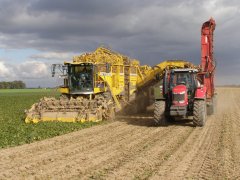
(208, 64)
(201, 92)
(180, 97)
(190, 92)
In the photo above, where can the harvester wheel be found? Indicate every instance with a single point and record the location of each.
(199, 113)
(212, 106)
(159, 113)
(111, 114)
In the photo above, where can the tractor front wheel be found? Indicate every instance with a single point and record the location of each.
(199, 113)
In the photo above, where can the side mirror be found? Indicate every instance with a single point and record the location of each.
(53, 67)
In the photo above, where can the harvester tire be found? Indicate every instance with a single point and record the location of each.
(199, 113)
(212, 106)
(159, 113)
(111, 114)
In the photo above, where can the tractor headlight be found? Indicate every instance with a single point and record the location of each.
(181, 102)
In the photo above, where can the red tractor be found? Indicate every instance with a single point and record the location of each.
(189, 92)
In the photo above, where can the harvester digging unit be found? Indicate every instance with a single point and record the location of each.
(190, 91)
(98, 84)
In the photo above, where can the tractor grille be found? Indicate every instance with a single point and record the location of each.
(178, 97)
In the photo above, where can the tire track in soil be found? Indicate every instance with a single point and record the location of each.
(107, 156)
(39, 148)
(140, 130)
(225, 153)
(134, 161)
(62, 151)
(221, 155)
(180, 162)
(234, 132)
(219, 162)
(236, 145)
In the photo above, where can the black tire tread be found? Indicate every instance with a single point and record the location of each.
(199, 113)
(159, 113)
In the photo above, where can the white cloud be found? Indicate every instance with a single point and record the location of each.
(33, 70)
(4, 70)
(53, 56)
(25, 70)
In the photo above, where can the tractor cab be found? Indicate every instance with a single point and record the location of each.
(185, 77)
(180, 85)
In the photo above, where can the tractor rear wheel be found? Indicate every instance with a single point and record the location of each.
(159, 113)
(199, 113)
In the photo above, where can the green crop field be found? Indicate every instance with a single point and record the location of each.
(14, 131)
(4, 91)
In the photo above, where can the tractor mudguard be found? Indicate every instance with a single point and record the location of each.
(200, 93)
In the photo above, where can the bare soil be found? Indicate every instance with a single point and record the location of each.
(132, 147)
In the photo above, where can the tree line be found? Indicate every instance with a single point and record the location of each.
(12, 85)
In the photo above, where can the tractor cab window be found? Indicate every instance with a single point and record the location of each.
(178, 78)
(81, 78)
(182, 79)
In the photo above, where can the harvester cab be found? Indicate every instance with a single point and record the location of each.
(78, 78)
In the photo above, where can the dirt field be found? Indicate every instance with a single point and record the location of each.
(133, 148)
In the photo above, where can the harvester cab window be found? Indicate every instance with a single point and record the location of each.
(81, 78)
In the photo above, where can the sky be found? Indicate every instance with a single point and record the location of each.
(37, 33)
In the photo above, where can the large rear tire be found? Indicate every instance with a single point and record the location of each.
(159, 113)
(199, 113)
(211, 108)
